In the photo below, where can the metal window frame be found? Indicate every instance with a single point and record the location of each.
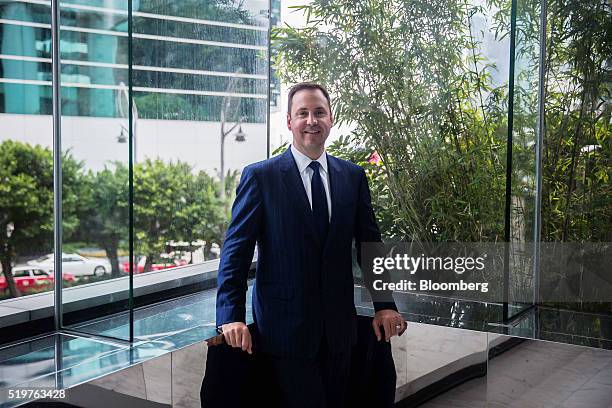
(269, 79)
(57, 163)
(541, 131)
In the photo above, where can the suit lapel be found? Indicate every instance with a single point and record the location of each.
(296, 193)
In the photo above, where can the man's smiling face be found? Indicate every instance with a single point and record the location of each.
(310, 121)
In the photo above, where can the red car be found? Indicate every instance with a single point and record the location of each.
(155, 267)
(27, 278)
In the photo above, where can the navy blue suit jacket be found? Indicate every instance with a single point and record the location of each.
(304, 287)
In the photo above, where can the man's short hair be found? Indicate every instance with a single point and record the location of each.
(307, 85)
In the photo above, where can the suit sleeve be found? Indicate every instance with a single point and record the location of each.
(238, 248)
(367, 231)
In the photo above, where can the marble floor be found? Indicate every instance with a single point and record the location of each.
(538, 374)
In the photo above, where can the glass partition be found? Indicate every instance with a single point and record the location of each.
(156, 126)
(198, 116)
(26, 152)
(95, 156)
(576, 159)
(522, 138)
(200, 97)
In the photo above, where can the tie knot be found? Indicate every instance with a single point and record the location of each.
(314, 165)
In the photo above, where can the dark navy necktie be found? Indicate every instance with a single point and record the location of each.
(319, 202)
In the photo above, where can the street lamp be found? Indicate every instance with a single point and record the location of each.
(239, 137)
(123, 105)
(229, 108)
(122, 138)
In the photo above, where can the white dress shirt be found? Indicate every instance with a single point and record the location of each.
(306, 173)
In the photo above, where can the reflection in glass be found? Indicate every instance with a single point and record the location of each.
(21, 363)
(445, 367)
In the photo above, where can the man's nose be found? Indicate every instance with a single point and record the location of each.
(312, 120)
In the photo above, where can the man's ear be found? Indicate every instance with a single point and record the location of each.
(289, 121)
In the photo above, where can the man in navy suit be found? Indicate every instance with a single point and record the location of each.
(302, 209)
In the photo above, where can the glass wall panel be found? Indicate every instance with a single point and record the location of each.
(525, 88)
(95, 148)
(26, 156)
(200, 90)
(576, 163)
(200, 86)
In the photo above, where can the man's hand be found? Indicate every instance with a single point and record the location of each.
(393, 323)
(237, 335)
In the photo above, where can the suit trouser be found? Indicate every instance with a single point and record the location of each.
(319, 382)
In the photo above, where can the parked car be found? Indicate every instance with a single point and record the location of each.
(125, 266)
(28, 278)
(74, 264)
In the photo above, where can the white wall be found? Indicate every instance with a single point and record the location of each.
(94, 140)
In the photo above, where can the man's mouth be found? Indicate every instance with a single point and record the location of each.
(312, 131)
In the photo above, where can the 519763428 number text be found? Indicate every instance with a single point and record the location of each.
(35, 393)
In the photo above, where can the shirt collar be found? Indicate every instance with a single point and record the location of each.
(303, 161)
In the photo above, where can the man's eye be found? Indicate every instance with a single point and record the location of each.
(321, 113)
(301, 114)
